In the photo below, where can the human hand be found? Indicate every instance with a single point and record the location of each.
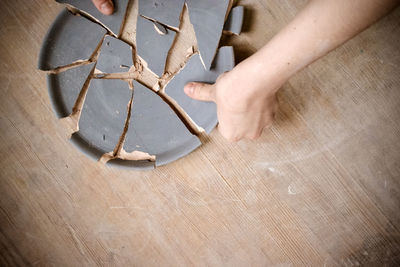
(244, 106)
(245, 97)
(104, 6)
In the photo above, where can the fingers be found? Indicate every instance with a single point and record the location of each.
(234, 129)
(228, 133)
(200, 91)
(233, 137)
(255, 135)
(104, 6)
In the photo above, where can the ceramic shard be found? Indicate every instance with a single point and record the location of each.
(64, 88)
(207, 18)
(234, 22)
(119, 157)
(151, 46)
(115, 56)
(204, 114)
(70, 39)
(103, 117)
(112, 23)
(155, 128)
(165, 11)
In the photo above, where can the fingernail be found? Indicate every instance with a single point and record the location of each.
(189, 89)
(107, 8)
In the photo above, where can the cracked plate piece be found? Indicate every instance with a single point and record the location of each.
(103, 117)
(204, 114)
(164, 11)
(156, 129)
(234, 22)
(112, 23)
(115, 56)
(69, 40)
(151, 46)
(64, 88)
(207, 18)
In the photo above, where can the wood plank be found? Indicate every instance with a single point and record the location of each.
(320, 188)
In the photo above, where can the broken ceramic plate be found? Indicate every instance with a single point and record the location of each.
(207, 18)
(115, 56)
(204, 114)
(166, 12)
(155, 128)
(103, 117)
(64, 88)
(234, 22)
(151, 46)
(70, 39)
(112, 23)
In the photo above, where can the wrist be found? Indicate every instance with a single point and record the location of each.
(259, 75)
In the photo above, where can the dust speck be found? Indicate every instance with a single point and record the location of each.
(292, 190)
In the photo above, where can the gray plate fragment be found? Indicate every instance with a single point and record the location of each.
(207, 18)
(115, 56)
(103, 117)
(156, 129)
(113, 23)
(151, 46)
(234, 22)
(165, 11)
(65, 87)
(70, 39)
(204, 114)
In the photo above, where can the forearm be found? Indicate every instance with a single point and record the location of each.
(245, 97)
(319, 28)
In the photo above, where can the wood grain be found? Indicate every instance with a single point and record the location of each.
(320, 188)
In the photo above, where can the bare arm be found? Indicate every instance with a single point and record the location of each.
(245, 97)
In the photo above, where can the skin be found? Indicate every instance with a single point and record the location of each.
(246, 96)
(104, 6)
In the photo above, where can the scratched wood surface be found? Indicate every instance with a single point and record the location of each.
(320, 188)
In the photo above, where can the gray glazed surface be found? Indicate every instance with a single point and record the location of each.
(65, 87)
(103, 116)
(207, 17)
(164, 11)
(151, 46)
(204, 114)
(115, 56)
(234, 22)
(156, 129)
(70, 38)
(112, 23)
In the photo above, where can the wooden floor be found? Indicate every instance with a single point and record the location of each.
(321, 188)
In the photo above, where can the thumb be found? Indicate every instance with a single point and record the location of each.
(104, 6)
(200, 91)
